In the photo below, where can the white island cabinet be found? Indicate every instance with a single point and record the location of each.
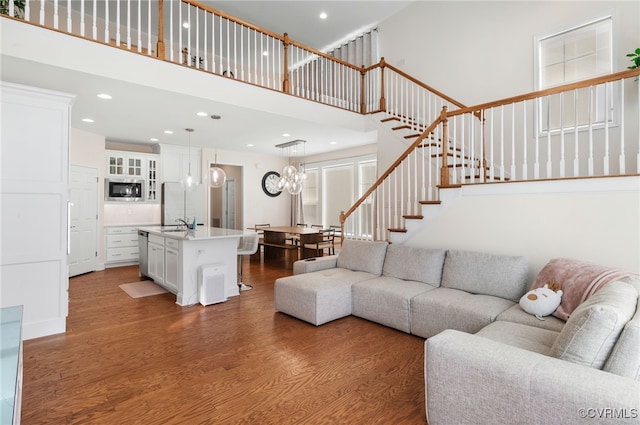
(175, 258)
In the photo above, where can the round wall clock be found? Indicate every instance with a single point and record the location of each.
(270, 183)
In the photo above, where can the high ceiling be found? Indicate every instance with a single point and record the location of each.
(139, 117)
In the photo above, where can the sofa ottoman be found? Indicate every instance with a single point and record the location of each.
(324, 294)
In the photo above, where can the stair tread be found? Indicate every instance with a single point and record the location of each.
(429, 202)
(398, 230)
(413, 217)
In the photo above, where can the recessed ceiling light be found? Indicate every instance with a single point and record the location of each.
(87, 120)
(323, 15)
(153, 139)
(185, 25)
(168, 132)
(105, 96)
(286, 135)
(250, 145)
(202, 114)
(333, 143)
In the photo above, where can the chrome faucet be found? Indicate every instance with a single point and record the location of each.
(180, 220)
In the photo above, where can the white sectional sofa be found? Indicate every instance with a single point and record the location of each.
(486, 360)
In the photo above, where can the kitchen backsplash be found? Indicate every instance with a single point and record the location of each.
(124, 214)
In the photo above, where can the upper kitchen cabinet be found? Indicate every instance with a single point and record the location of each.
(176, 161)
(136, 165)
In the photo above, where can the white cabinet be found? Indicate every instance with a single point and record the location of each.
(125, 164)
(175, 162)
(121, 246)
(172, 264)
(134, 165)
(155, 255)
(34, 177)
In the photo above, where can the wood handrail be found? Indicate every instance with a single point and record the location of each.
(546, 92)
(396, 163)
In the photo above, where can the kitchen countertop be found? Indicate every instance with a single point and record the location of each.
(201, 232)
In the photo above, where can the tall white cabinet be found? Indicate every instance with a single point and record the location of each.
(34, 196)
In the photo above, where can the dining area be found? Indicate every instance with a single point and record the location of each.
(288, 244)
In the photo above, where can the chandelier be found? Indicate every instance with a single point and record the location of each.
(292, 178)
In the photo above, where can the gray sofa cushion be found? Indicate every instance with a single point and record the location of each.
(594, 326)
(516, 314)
(489, 274)
(364, 256)
(386, 300)
(526, 337)
(446, 308)
(625, 357)
(412, 263)
(317, 297)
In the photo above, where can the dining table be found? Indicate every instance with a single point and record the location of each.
(276, 246)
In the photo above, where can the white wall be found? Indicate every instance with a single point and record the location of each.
(479, 51)
(257, 206)
(594, 220)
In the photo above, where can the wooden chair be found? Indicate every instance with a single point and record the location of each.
(325, 241)
(294, 239)
(338, 233)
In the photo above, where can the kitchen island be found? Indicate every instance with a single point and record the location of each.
(176, 258)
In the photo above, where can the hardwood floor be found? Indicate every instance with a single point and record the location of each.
(150, 361)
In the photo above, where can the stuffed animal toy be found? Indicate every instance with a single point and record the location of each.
(542, 301)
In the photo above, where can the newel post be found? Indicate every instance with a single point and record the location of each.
(444, 171)
(383, 101)
(160, 44)
(285, 81)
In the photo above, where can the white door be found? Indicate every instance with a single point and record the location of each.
(83, 220)
(229, 204)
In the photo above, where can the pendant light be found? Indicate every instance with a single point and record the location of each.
(217, 176)
(292, 179)
(188, 182)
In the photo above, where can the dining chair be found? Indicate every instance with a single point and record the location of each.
(294, 239)
(326, 240)
(259, 228)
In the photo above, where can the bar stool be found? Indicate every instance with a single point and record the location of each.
(248, 245)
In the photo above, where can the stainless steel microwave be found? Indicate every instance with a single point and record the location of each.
(123, 190)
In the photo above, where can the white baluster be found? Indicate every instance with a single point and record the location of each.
(548, 137)
(537, 127)
(525, 171)
(117, 22)
(512, 171)
(622, 157)
(69, 22)
(205, 34)
(107, 21)
(171, 25)
(591, 112)
(502, 142)
(576, 158)
(55, 13)
(82, 26)
(562, 162)
(42, 15)
(139, 26)
(149, 28)
(607, 96)
(95, 21)
(129, 24)
(27, 11)
(491, 146)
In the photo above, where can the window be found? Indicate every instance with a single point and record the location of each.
(576, 54)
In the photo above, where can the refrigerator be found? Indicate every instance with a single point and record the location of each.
(179, 203)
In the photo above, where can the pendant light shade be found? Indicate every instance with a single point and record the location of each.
(189, 183)
(217, 176)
